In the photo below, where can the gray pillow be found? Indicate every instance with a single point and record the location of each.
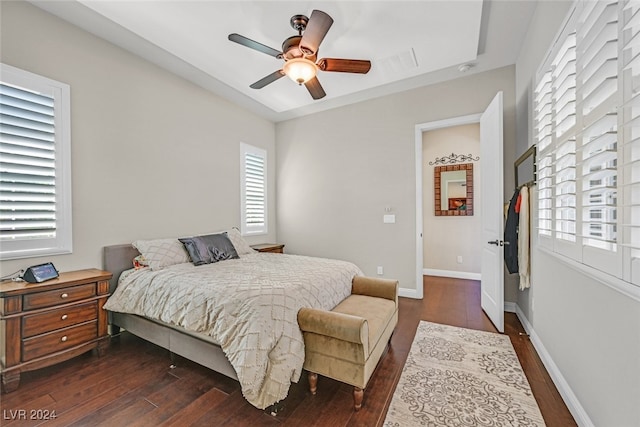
(209, 249)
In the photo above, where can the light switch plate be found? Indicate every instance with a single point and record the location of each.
(389, 219)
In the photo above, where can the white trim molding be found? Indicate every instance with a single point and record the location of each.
(450, 273)
(409, 293)
(54, 234)
(419, 129)
(510, 307)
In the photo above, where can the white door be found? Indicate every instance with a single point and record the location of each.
(492, 283)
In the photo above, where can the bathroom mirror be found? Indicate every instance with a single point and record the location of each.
(453, 187)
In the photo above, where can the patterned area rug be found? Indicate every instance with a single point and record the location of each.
(462, 377)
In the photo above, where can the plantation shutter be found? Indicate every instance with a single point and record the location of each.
(27, 165)
(254, 167)
(598, 142)
(599, 43)
(564, 159)
(589, 169)
(629, 165)
(254, 190)
(555, 109)
(543, 113)
(35, 165)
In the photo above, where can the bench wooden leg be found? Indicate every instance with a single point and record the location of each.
(313, 382)
(358, 394)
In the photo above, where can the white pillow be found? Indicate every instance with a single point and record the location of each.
(161, 253)
(238, 242)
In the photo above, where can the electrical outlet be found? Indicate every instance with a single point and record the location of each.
(459, 259)
(380, 271)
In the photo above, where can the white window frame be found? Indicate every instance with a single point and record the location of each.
(616, 267)
(62, 243)
(246, 227)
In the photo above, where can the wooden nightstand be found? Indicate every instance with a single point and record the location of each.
(45, 323)
(269, 247)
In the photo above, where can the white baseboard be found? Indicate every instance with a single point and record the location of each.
(450, 273)
(408, 293)
(510, 307)
(570, 399)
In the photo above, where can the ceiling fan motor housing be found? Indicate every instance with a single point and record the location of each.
(291, 49)
(299, 23)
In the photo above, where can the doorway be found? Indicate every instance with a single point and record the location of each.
(452, 237)
(491, 185)
(419, 131)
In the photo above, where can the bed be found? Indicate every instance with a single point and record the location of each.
(237, 317)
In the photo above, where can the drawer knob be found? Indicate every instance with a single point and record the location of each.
(63, 339)
(64, 317)
(65, 295)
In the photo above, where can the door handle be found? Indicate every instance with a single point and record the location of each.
(498, 242)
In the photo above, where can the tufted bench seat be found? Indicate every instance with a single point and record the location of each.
(347, 342)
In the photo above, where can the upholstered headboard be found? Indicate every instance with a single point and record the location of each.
(118, 258)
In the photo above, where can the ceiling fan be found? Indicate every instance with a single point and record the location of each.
(300, 54)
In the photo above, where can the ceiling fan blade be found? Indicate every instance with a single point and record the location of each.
(255, 45)
(268, 79)
(315, 88)
(317, 27)
(345, 65)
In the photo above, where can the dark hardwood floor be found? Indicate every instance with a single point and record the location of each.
(134, 384)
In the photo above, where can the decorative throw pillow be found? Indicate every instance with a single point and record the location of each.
(161, 253)
(241, 245)
(140, 262)
(209, 249)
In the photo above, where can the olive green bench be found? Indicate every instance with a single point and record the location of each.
(347, 342)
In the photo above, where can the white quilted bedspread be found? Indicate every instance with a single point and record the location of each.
(248, 305)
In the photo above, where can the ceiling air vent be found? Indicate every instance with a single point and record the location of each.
(402, 61)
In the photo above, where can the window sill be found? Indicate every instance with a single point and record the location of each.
(625, 288)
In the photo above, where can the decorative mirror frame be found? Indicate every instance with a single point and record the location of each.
(437, 174)
(525, 168)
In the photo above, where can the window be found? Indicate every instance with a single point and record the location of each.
(35, 165)
(587, 129)
(253, 178)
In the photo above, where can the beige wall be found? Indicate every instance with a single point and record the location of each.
(587, 333)
(338, 170)
(447, 237)
(152, 154)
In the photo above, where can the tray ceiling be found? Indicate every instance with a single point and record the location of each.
(405, 42)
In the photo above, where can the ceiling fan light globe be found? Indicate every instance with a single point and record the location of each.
(300, 70)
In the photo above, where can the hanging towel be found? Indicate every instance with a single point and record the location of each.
(523, 239)
(511, 235)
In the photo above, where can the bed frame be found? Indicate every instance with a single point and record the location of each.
(196, 347)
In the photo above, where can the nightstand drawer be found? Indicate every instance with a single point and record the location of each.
(59, 296)
(36, 324)
(52, 342)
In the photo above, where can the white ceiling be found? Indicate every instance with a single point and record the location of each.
(410, 43)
